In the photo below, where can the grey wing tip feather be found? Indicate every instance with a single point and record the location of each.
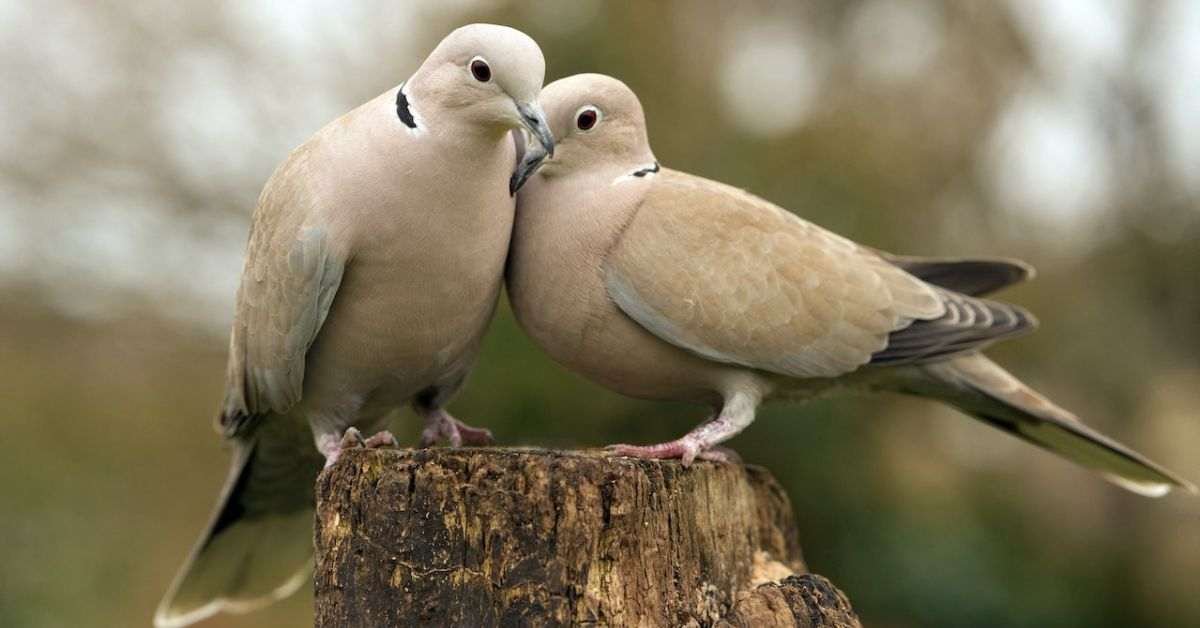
(1014, 269)
(968, 325)
(973, 277)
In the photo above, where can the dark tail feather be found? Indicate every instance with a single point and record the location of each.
(979, 387)
(974, 277)
(258, 547)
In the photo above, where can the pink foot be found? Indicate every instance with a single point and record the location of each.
(353, 439)
(439, 425)
(686, 449)
(701, 442)
(381, 440)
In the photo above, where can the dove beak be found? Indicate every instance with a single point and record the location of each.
(534, 120)
(530, 161)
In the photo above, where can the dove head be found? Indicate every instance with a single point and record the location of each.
(596, 120)
(486, 74)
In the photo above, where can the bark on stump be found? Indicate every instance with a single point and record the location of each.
(515, 537)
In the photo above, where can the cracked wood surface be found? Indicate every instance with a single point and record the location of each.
(518, 537)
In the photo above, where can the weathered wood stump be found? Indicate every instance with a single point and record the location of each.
(514, 537)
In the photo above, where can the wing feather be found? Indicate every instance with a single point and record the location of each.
(291, 276)
(974, 277)
(968, 325)
(732, 278)
(735, 279)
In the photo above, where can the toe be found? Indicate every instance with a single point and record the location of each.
(448, 432)
(690, 451)
(475, 435)
(720, 454)
(351, 439)
(629, 451)
(381, 440)
(647, 452)
(429, 437)
(619, 449)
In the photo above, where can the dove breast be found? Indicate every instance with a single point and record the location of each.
(557, 287)
(428, 247)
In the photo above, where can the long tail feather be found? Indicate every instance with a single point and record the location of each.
(258, 546)
(983, 389)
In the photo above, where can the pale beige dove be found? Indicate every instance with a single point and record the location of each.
(664, 285)
(375, 261)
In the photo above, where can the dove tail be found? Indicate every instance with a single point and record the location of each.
(258, 547)
(981, 388)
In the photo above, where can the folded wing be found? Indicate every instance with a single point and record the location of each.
(288, 285)
(730, 277)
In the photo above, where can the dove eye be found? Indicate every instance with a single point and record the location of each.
(587, 118)
(480, 70)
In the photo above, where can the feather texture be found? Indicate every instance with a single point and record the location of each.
(967, 325)
(289, 281)
(732, 278)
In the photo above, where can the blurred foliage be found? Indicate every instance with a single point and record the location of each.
(139, 135)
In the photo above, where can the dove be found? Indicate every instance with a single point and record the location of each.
(374, 265)
(664, 285)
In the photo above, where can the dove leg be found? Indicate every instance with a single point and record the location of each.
(702, 442)
(442, 426)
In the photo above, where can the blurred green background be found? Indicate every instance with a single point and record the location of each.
(135, 137)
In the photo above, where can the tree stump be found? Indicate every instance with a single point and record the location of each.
(516, 537)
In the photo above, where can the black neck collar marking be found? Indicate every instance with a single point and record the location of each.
(645, 171)
(402, 109)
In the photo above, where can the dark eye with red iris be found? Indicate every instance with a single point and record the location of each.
(586, 120)
(481, 71)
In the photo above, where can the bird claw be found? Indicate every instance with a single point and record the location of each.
(351, 439)
(440, 425)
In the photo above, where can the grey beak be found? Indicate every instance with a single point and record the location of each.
(534, 119)
(533, 157)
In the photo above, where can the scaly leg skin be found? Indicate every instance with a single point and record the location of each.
(332, 447)
(702, 442)
(687, 449)
(440, 425)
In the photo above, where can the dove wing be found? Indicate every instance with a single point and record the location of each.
(290, 277)
(730, 277)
